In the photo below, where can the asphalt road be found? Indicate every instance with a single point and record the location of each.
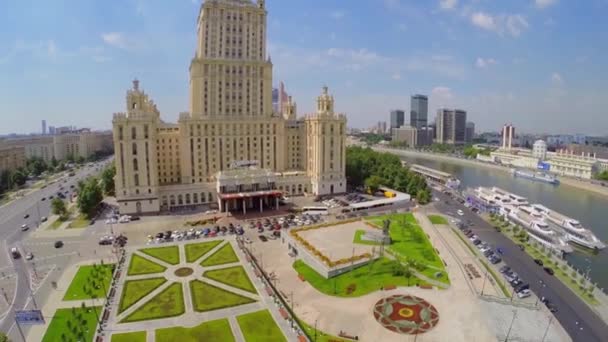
(11, 219)
(574, 315)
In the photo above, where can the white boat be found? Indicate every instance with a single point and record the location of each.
(573, 229)
(535, 176)
(537, 228)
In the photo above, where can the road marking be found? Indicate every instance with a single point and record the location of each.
(52, 257)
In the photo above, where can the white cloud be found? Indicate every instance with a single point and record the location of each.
(557, 79)
(115, 39)
(513, 24)
(448, 4)
(483, 63)
(337, 15)
(542, 4)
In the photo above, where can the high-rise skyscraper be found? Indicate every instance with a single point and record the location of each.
(419, 111)
(508, 134)
(451, 126)
(43, 127)
(397, 118)
(470, 132)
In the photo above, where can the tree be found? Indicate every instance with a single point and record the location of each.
(36, 166)
(107, 180)
(372, 183)
(18, 178)
(89, 196)
(58, 208)
(407, 272)
(3, 337)
(423, 196)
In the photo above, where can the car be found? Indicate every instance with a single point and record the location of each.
(552, 307)
(460, 212)
(549, 270)
(495, 259)
(43, 199)
(43, 219)
(522, 287)
(51, 197)
(504, 269)
(26, 216)
(524, 294)
(263, 238)
(516, 282)
(135, 218)
(29, 256)
(15, 253)
(538, 262)
(476, 242)
(58, 244)
(24, 227)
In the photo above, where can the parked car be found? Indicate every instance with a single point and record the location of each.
(26, 216)
(549, 270)
(29, 256)
(538, 262)
(524, 294)
(15, 253)
(263, 238)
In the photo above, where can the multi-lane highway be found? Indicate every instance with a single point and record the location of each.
(575, 316)
(12, 218)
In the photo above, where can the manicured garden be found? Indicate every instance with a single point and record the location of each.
(360, 281)
(91, 281)
(75, 324)
(436, 219)
(137, 336)
(168, 303)
(224, 255)
(169, 254)
(358, 239)
(206, 297)
(140, 265)
(260, 327)
(320, 335)
(134, 290)
(217, 330)
(232, 276)
(196, 250)
(411, 245)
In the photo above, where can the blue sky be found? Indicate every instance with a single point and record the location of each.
(540, 64)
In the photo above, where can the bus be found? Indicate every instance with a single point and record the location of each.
(315, 210)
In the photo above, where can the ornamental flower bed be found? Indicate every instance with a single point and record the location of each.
(406, 314)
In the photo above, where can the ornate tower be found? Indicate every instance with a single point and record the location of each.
(326, 135)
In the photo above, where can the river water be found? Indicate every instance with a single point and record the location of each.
(589, 208)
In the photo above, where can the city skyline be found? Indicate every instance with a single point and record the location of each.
(499, 62)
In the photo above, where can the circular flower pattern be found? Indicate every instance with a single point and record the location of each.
(406, 314)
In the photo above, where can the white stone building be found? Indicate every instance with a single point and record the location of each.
(230, 131)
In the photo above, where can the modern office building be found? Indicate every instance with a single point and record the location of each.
(43, 127)
(470, 132)
(419, 108)
(508, 135)
(230, 151)
(451, 126)
(397, 118)
(539, 150)
(407, 135)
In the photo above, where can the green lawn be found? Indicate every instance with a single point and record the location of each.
(78, 324)
(211, 331)
(196, 250)
(168, 303)
(436, 219)
(411, 243)
(321, 336)
(80, 222)
(366, 280)
(232, 276)
(260, 327)
(224, 255)
(56, 224)
(138, 336)
(90, 282)
(169, 254)
(359, 240)
(206, 297)
(134, 290)
(140, 265)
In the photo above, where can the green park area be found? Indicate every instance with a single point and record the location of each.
(169, 254)
(140, 265)
(217, 330)
(91, 281)
(168, 303)
(358, 239)
(411, 245)
(56, 224)
(318, 335)
(75, 324)
(372, 277)
(134, 290)
(196, 250)
(137, 336)
(232, 276)
(206, 297)
(260, 327)
(79, 222)
(224, 255)
(436, 219)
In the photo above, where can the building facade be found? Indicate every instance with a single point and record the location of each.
(419, 108)
(397, 118)
(539, 150)
(451, 126)
(231, 130)
(11, 158)
(470, 132)
(508, 136)
(407, 135)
